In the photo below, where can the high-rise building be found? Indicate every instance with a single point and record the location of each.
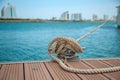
(94, 17)
(118, 16)
(76, 17)
(114, 18)
(105, 17)
(8, 11)
(65, 16)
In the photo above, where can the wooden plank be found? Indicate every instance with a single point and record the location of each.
(0, 66)
(99, 64)
(114, 62)
(81, 65)
(59, 74)
(11, 72)
(36, 71)
(51, 70)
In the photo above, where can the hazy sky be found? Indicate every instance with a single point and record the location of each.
(47, 9)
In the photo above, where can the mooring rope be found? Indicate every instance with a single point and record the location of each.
(85, 71)
(87, 34)
(61, 44)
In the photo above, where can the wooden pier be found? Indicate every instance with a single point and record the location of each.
(52, 70)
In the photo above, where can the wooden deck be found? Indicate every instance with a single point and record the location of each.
(52, 71)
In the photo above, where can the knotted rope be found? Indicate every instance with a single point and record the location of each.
(67, 47)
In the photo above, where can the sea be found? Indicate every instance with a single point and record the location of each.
(28, 41)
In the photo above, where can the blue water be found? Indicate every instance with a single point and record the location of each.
(29, 41)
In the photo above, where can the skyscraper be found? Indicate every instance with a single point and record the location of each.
(118, 16)
(65, 16)
(76, 17)
(94, 17)
(8, 11)
(105, 17)
(114, 18)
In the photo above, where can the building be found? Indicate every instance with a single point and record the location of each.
(118, 16)
(76, 17)
(65, 16)
(105, 17)
(114, 18)
(94, 17)
(53, 18)
(8, 11)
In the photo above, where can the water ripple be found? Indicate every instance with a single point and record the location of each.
(29, 41)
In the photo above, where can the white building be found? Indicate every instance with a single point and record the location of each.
(105, 17)
(114, 18)
(76, 17)
(8, 11)
(65, 16)
(118, 16)
(94, 17)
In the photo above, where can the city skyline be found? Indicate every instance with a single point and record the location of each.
(48, 9)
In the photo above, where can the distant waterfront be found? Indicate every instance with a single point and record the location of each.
(42, 20)
(29, 41)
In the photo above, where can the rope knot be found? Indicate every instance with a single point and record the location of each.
(64, 47)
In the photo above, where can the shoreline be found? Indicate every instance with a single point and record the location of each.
(41, 20)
